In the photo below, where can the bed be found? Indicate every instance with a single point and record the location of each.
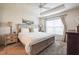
(35, 42)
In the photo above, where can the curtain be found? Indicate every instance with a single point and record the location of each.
(55, 26)
(42, 24)
(65, 26)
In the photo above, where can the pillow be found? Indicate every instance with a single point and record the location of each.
(36, 30)
(24, 30)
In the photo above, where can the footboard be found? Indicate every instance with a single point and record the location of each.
(39, 47)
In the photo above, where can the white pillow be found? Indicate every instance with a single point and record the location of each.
(36, 30)
(24, 30)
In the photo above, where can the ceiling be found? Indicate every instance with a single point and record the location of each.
(53, 8)
(47, 6)
(44, 9)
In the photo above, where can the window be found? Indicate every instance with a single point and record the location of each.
(55, 26)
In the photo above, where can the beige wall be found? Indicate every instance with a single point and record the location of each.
(15, 12)
(1, 13)
(72, 19)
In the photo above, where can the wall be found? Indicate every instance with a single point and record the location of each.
(1, 8)
(72, 19)
(15, 13)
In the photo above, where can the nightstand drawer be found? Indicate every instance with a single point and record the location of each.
(11, 39)
(8, 41)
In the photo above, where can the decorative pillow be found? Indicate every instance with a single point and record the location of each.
(24, 30)
(36, 30)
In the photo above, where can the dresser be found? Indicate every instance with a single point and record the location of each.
(72, 43)
(9, 38)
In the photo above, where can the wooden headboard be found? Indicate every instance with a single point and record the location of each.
(7, 24)
(18, 28)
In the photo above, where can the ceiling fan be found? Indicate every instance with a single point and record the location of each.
(42, 5)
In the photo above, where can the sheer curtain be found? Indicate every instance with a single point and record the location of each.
(65, 26)
(55, 26)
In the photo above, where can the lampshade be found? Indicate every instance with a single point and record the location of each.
(10, 23)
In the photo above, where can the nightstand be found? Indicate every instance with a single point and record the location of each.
(9, 38)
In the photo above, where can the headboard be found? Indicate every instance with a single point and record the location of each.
(5, 26)
(18, 28)
(21, 26)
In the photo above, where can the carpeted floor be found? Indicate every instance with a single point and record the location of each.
(58, 48)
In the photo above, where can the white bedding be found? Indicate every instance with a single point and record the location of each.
(28, 39)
